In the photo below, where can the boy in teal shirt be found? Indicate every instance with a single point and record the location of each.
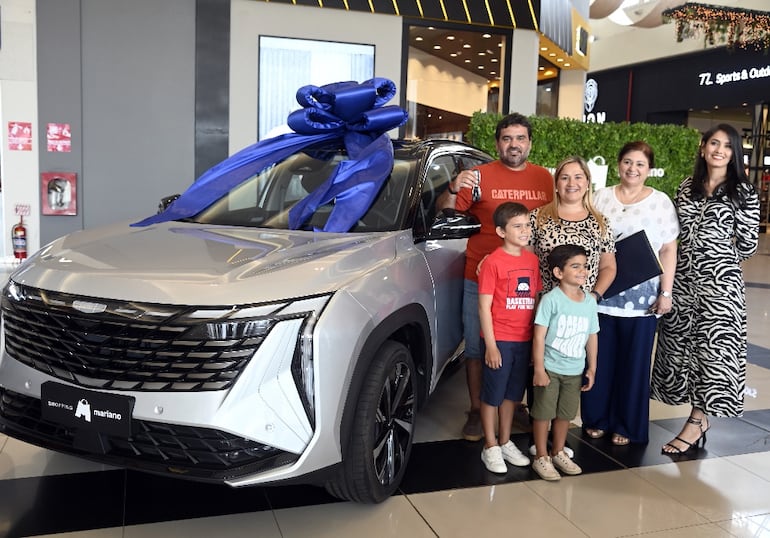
(564, 349)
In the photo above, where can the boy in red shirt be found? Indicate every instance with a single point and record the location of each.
(509, 281)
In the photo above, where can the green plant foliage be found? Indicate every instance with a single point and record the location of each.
(553, 139)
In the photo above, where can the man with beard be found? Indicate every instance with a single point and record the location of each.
(510, 179)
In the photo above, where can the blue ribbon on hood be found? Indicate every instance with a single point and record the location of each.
(350, 112)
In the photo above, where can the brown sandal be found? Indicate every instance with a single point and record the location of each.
(595, 433)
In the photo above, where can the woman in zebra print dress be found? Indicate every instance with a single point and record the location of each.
(701, 354)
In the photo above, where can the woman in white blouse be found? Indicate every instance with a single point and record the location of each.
(619, 401)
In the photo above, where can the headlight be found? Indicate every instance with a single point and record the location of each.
(236, 330)
(251, 324)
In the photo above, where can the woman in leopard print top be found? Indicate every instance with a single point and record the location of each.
(572, 219)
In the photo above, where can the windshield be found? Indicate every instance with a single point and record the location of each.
(264, 200)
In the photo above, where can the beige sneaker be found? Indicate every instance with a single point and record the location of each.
(545, 469)
(563, 462)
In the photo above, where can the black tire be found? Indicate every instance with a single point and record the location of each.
(383, 429)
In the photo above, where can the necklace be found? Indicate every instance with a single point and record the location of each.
(637, 197)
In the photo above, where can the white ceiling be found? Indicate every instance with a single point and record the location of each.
(616, 44)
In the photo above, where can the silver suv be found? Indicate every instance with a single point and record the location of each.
(225, 347)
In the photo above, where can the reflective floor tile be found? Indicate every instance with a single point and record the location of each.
(395, 517)
(715, 488)
(492, 511)
(617, 503)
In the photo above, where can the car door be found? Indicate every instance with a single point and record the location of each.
(445, 257)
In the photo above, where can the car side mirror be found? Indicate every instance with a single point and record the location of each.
(452, 224)
(166, 201)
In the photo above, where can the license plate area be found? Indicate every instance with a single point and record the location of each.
(87, 410)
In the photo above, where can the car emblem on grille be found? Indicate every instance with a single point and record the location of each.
(89, 308)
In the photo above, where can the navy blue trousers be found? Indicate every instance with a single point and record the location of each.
(619, 401)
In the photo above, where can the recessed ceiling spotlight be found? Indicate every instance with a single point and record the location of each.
(450, 38)
(541, 68)
(543, 48)
(567, 64)
(418, 38)
(486, 36)
(482, 53)
(480, 67)
(560, 59)
(436, 47)
(551, 54)
(467, 60)
(453, 55)
(494, 60)
(466, 46)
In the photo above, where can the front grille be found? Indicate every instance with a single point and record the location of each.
(121, 345)
(168, 448)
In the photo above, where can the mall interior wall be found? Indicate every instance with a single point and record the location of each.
(122, 75)
(127, 77)
(18, 105)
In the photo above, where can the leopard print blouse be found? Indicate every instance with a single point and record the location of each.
(586, 233)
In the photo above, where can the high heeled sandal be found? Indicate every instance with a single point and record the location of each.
(700, 441)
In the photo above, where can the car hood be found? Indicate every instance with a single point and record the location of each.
(185, 263)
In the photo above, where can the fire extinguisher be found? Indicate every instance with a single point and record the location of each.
(19, 240)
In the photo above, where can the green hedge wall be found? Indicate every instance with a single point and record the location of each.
(553, 139)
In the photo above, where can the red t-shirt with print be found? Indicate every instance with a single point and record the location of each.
(532, 187)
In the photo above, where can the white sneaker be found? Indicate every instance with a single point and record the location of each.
(563, 462)
(513, 455)
(492, 458)
(567, 450)
(545, 469)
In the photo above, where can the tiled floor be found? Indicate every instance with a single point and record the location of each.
(723, 491)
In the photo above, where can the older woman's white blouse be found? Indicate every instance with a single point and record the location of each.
(657, 216)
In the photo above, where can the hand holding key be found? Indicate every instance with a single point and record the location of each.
(467, 179)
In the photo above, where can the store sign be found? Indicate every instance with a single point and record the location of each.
(709, 77)
(590, 95)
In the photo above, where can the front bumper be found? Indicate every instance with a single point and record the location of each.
(239, 435)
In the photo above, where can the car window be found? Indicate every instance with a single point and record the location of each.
(264, 200)
(439, 173)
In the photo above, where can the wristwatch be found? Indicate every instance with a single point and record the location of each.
(666, 294)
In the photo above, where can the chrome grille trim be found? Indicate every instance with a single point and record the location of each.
(122, 345)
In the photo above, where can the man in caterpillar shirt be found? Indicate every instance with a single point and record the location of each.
(509, 179)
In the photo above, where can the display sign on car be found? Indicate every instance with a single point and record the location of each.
(101, 412)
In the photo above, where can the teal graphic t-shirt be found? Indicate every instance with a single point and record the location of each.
(569, 324)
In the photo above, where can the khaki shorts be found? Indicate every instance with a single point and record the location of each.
(560, 399)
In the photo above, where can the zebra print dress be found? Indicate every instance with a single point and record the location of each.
(701, 353)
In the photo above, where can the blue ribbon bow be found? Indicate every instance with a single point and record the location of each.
(350, 112)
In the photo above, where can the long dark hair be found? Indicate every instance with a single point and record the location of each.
(736, 174)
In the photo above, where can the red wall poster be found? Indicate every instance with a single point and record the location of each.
(58, 191)
(59, 137)
(19, 136)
